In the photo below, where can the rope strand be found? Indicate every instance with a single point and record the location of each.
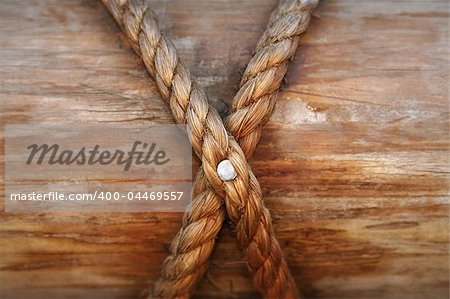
(243, 199)
(255, 100)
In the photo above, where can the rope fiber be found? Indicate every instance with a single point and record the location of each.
(213, 141)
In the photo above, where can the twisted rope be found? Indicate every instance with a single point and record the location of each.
(255, 100)
(193, 244)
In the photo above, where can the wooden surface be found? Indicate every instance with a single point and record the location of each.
(354, 163)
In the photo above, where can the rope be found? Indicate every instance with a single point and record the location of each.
(251, 107)
(255, 100)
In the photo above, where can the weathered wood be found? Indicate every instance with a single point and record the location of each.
(354, 162)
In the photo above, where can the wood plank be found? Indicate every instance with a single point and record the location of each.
(354, 162)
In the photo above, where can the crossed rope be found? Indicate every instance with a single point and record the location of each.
(213, 141)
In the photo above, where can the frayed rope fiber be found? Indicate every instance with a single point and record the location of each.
(213, 141)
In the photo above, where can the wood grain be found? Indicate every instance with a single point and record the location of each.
(354, 163)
